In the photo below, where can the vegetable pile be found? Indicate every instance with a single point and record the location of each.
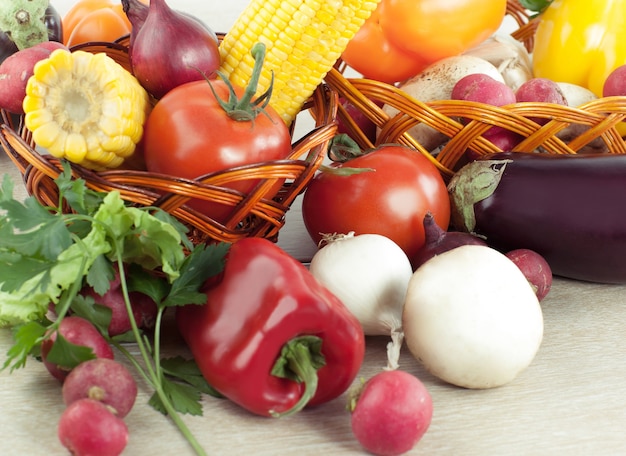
(456, 268)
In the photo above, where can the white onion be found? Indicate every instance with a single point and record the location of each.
(369, 273)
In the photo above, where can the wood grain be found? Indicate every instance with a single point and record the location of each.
(570, 401)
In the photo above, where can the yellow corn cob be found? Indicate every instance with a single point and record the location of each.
(304, 39)
(86, 108)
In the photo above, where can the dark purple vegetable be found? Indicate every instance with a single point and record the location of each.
(171, 49)
(137, 11)
(437, 240)
(571, 209)
(55, 33)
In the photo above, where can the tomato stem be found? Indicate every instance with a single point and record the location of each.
(246, 108)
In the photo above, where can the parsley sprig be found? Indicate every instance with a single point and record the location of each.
(47, 254)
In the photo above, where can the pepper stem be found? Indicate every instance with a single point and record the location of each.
(299, 360)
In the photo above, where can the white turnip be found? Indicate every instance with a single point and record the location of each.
(472, 318)
(390, 413)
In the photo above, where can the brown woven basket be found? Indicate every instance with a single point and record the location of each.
(253, 214)
(594, 122)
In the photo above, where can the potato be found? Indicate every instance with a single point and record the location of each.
(15, 71)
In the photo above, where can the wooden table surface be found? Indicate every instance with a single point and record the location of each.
(570, 401)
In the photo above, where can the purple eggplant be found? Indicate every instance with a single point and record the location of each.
(571, 209)
(54, 25)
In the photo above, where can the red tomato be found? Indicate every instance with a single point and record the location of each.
(391, 200)
(188, 134)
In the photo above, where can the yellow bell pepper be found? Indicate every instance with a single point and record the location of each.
(580, 42)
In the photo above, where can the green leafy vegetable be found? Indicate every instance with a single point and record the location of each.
(47, 255)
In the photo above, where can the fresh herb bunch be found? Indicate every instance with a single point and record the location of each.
(47, 254)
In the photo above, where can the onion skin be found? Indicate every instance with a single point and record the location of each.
(171, 49)
(137, 12)
(567, 208)
(438, 240)
(369, 273)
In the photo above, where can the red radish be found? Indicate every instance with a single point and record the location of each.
(391, 413)
(615, 83)
(144, 308)
(540, 90)
(535, 268)
(89, 428)
(79, 331)
(438, 240)
(104, 380)
(483, 88)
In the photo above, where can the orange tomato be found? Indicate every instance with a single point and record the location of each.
(412, 34)
(94, 20)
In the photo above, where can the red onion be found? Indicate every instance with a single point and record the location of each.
(438, 240)
(170, 48)
(137, 11)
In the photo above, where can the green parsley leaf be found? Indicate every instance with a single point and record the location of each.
(97, 314)
(76, 194)
(27, 337)
(68, 355)
(203, 262)
(100, 275)
(188, 371)
(184, 398)
(138, 279)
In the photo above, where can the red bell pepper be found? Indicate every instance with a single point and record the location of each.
(270, 337)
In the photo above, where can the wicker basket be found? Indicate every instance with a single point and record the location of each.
(253, 214)
(592, 123)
